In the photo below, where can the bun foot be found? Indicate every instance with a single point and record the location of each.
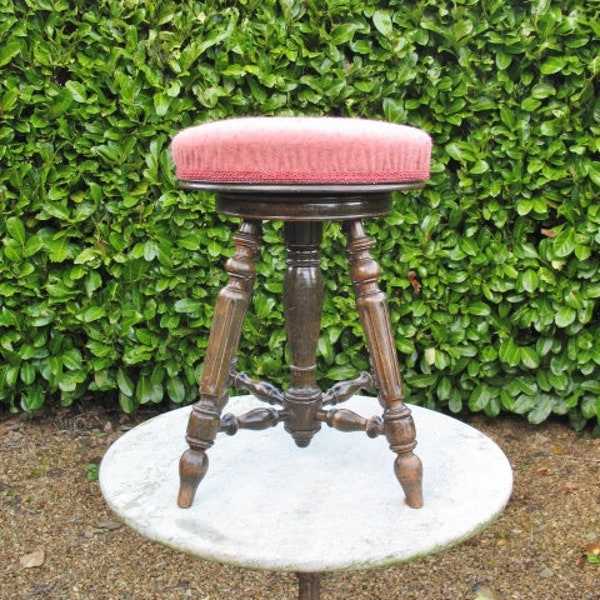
(409, 471)
(192, 468)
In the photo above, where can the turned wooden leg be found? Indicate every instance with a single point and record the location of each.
(223, 342)
(303, 303)
(372, 307)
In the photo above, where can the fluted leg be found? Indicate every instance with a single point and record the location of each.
(372, 307)
(223, 342)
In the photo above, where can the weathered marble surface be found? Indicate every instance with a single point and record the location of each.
(335, 505)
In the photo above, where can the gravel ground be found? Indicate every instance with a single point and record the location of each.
(58, 540)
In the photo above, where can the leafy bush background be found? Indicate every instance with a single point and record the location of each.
(108, 271)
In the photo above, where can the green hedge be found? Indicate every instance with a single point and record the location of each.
(108, 271)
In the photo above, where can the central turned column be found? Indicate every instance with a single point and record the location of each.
(302, 305)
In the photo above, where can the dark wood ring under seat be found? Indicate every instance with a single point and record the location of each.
(302, 202)
(315, 208)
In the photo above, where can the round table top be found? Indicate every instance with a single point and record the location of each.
(267, 504)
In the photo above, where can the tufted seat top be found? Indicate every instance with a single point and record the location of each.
(301, 151)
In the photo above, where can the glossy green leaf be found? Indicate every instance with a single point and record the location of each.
(542, 409)
(479, 398)
(565, 315)
(16, 229)
(553, 65)
(528, 281)
(33, 398)
(383, 23)
(510, 353)
(189, 306)
(127, 403)
(146, 391)
(341, 373)
(564, 244)
(176, 389)
(27, 373)
(8, 51)
(480, 309)
(529, 357)
(93, 313)
(126, 386)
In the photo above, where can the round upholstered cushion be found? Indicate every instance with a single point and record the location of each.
(302, 150)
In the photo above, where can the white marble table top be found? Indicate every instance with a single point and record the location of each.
(266, 504)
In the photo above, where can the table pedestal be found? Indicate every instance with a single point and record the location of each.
(335, 505)
(309, 586)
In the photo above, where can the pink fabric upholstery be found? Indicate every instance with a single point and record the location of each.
(302, 150)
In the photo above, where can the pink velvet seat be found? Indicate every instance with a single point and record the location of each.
(302, 150)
